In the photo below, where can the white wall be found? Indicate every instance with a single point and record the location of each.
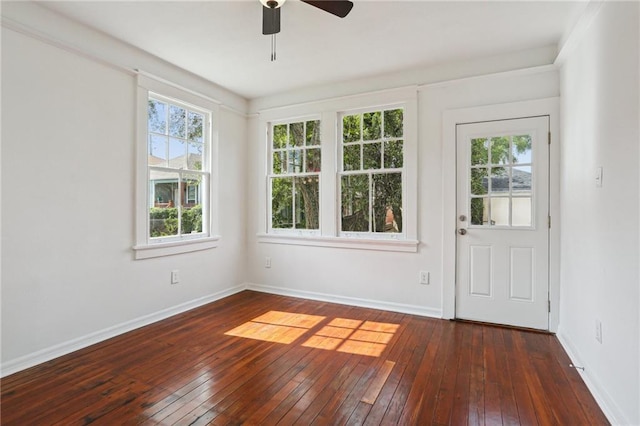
(600, 226)
(376, 278)
(68, 147)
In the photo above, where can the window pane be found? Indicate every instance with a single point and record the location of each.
(158, 150)
(194, 159)
(479, 211)
(296, 133)
(479, 182)
(521, 179)
(393, 157)
(177, 121)
(295, 161)
(355, 203)
(163, 216)
(191, 187)
(387, 202)
(499, 180)
(522, 149)
(280, 136)
(521, 211)
(351, 128)
(500, 150)
(177, 154)
(278, 161)
(282, 202)
(500, 211)
(372, 155)
(351, 157)
(307, 202)
(372, 126)
(157, 116)
(195, 126)
(313, 160)
(479, 151)
(313, 133)
(393, 127)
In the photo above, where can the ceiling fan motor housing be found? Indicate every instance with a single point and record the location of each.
(272, 4)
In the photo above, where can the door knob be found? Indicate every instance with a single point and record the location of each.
(462, 231)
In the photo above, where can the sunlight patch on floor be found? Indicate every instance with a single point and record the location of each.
(352, 336)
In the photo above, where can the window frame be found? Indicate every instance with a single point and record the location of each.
(329, 111)
(145, 245)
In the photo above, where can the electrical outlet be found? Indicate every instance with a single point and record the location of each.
(424, 277)
(267, 262)
(175, 276)
(599, 331)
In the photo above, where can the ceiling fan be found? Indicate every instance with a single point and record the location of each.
(271, 15)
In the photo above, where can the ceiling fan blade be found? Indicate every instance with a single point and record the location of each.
(270, 20)
(339, 8)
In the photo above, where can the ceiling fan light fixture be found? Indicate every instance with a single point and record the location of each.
(272, 4)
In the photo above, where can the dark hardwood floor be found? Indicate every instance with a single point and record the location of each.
(260, 359)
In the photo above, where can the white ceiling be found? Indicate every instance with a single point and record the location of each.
(222, 41)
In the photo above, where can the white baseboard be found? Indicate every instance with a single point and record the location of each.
(352, 301)
(47, 354)
(602, 397)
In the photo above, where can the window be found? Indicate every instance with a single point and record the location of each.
(178, 174)
(372, 163)
(341, 172)
(294, 179)
(175, 210)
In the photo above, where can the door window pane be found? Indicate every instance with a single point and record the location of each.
(479, 151)
(479, 211)
(521, 149)
(521, 180)
(521, 211)
(500, 211)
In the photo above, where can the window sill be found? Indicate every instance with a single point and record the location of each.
(149, 251)
(409, 246)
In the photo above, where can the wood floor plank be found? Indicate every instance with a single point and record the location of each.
(325, 360)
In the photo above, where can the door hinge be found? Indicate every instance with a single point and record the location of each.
(549, 305)
(549, 138)
(549, 221)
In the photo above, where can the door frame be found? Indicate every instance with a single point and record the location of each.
(451, 118)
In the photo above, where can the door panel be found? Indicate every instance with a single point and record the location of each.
(503, 236)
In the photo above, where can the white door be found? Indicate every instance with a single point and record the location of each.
(503, 231)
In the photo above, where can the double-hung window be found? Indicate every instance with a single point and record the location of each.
(175, 178)
(294, 178)
(344, 175)
(178, 169)
(372, 160)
